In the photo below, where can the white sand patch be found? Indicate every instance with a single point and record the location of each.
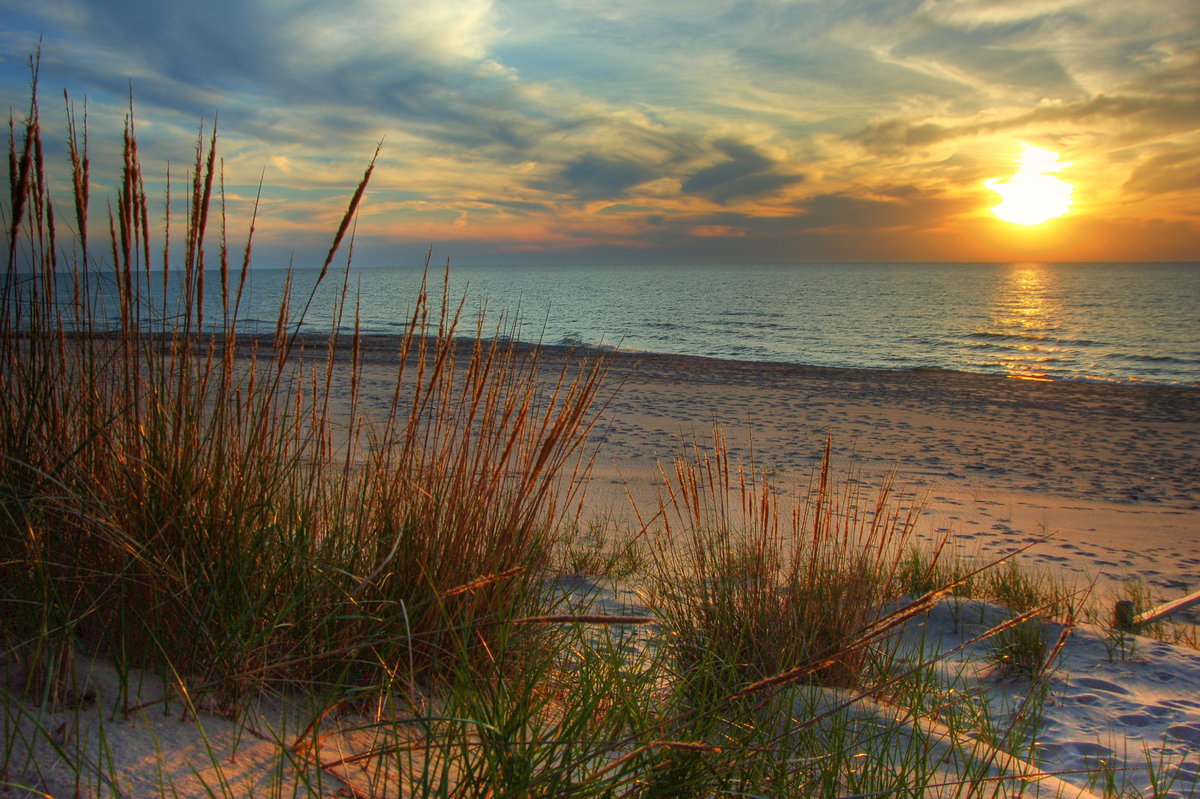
(182, 747)
(1118, 711)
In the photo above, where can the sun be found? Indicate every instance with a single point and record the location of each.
(1031, 196)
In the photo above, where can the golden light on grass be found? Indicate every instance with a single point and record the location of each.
(1032, 196)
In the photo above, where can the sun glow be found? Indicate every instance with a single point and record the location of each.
(1031, 196)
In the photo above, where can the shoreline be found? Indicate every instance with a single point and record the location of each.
(1157, 421)
(377, 342)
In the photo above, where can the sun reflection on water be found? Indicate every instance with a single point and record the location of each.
(1024, 323)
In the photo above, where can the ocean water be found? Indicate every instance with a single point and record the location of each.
(1121, 323)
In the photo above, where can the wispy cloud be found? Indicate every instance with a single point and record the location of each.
(1134, 118)
(632, 128)
(744, 173)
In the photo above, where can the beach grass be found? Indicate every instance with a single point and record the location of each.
(181, 501)
(166, 474)
(766, 583)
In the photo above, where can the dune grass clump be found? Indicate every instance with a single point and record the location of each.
(1021, 651)
(750, 586)
(176, 495)
(1019, 648)
(1020, 587)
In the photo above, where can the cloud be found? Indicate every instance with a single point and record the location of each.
(519, 207)
(885, 208)
(876, 216)
(1010, 53)
(890, 208)
(880, 225)
(595, 177)
(1178, 169)
(1139, 118)
(345, 66)
(746, 173)
(529, 115)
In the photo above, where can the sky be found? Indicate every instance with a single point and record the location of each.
(640, 131)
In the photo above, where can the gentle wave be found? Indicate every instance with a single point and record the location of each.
(1153, 359)
(1049, 339)
(1110, 323)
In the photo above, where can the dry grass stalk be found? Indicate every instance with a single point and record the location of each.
(759, 588)
(167, 473)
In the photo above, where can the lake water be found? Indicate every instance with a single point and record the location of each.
(1124, 323)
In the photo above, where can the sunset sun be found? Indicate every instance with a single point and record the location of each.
(1032, 196)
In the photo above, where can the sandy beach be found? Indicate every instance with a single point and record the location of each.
(1112, 471)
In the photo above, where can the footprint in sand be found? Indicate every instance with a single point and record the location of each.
(1159, 649)
(1137, 719)
(1189, 732)
(1088, 749)
(1099, 685)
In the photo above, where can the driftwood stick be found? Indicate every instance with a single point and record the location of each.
(1154, 614)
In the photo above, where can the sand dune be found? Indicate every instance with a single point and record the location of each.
(1112, 471)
